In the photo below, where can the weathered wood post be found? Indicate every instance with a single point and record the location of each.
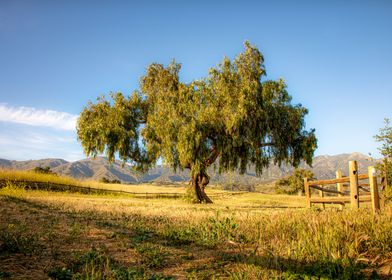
(321, 194)
(383, 187)
(386, 171)
(340, 186)
(384, 182)
(354, 199)
(374, 189)
(307, 192)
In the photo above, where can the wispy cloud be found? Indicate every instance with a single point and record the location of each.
(32, 116)
(23, 142)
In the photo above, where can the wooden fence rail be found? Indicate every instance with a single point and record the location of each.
(354, 198)
(60, 187)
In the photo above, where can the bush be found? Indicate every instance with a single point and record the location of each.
(294, 183)
(43, 170)
(108, 181)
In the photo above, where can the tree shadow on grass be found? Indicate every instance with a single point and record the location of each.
(286, 267)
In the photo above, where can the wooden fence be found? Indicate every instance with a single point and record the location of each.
(59, 187)
(358, 191)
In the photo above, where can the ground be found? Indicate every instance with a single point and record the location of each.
(65, 235)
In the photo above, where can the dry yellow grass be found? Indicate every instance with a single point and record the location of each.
(242, 236)
(30, 176)
(21, 175)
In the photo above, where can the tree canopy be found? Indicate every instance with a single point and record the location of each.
(295, 182)
(385, 138)
(232, 117)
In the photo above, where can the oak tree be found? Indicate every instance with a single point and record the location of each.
(294, 183)
(233, 118)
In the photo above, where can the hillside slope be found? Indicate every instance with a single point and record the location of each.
(98, 168)
(31, 164)
(323, 167)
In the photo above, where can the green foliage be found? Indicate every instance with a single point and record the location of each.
(233, 115)
(210, 233)
(18, 239)
(43, 170)
(96, 264)
(151, 255)
(60, 273)
(221, 230)
(108, 181)
(385, 138)
(294, 183)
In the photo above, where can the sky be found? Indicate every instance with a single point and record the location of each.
(55, 56)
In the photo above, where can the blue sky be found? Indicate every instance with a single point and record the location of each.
(335, 57)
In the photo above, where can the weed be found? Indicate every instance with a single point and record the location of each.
(18, 239)
(151, 255)
(132, 273)
(75, 230)
(141, 234)
(60, 273)
(180, 236)
(247, 272)
(123, 273)
(96, 264)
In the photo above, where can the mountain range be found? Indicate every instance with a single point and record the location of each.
(323, 167)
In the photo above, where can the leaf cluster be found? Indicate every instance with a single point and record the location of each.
(385, 138)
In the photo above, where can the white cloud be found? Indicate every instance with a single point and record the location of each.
(35, 117)
(21, 142)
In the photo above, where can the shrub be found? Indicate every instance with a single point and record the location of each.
(294, 183)
(108, 181)
(43, 170)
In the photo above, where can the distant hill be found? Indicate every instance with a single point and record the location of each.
(323, 167)
(31, 164)
(98, 168)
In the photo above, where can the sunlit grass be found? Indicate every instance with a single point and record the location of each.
(248, 235)
(15, 176)
(30, 176)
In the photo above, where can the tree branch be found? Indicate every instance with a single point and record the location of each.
(212, 157)
(261, 145)
(141, 121)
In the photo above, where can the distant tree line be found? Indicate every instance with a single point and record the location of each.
(108, 181)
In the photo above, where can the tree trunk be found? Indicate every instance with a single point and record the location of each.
(199, 182)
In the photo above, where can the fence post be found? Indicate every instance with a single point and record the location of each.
(354, 199)
(307, 193)
(374, 189)
(321, 194)
(384, 184)
(340, 186)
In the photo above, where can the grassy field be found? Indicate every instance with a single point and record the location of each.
(65, 235)
(18, 176)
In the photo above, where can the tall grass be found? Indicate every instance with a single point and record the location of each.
(30, 176)
(23, 176)
(242, 234)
